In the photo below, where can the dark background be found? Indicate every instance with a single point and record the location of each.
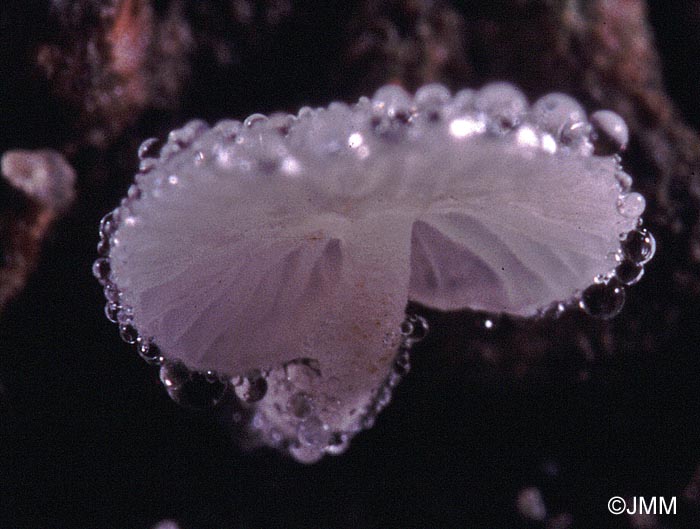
(579, 408)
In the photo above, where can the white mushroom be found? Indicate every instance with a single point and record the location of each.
(280, 253)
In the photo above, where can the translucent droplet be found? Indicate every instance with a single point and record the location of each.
(624, 181)
(187, 134)
(554, 311)
(197, 392)
(282, 123)
(112, 293)
(168, 150)
(554, 111)
(576, 136)
(128, 332)
(402, 363)
(604, 301)
(173, 375)
(101, 270)
(134, 193)
(108, 225)
(212, 376)
(126, 315)
(312, 432)
(228, 128)
(463, 101)
(639, 246)
(629, 272)
(149, 148)
(503, 103)
(394, 101)
(337, 443)
(610, 132)
(254, 119)
(383, 398)
(414, 328)
(103, 247)
(150, 352)
(430, 101)
(631, 205)
(305, 454)
(252, 388)
(112, 311)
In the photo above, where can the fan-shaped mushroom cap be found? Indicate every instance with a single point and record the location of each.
(291, 244)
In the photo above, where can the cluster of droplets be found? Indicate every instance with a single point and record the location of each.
(187, 387)
(297, 427)
(606, 297)
(292, 418)
(286, 410)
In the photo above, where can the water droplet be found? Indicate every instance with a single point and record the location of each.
(282, 123)
(112, 293)
(313, 432)
(610, 132)
(402, 363)
(103, 247)
(489, 324)
(212, 376)
(631, 205)
(576, 137)
(604, 301)
(430, 102)
(252, 388)
(101, 269)
(413, 329)
(629, 272)
(108, 225)
(338, 443)
(228, 128)
(503, 103)
(173, 375)
(196, 392)
(639, 246)
(149, 148)
(554, 111)
(463, 101)
(187, 134)
(624, 181)
(126, 315)
(112, 311)
(150, 352)
(394, 101)
(305, 454)
(555, 310)
(168, 150)
(134, 193)
(254, 120)
(128, 332)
